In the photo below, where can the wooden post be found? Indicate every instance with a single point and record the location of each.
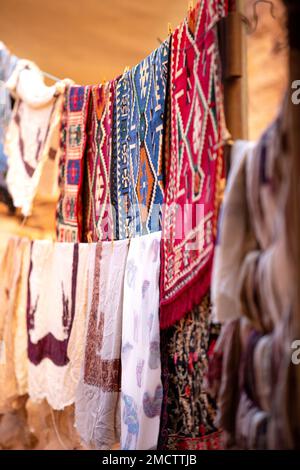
(234, 58)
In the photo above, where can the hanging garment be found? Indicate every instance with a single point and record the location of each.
(8, 63)
(195, 163)
(189, 412)
(97, 407)
(234, 238)
(136, 172)
(255, 350)
(56, 310)
(98, 220)
(73, 141)
(12, 281)
(20, 322)
(29, 138)
(141, 368)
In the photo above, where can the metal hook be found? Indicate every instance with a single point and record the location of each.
(251, 28)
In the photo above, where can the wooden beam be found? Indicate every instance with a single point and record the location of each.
(234, 53)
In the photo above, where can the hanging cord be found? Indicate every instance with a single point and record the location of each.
(52, 77)
(57, 432)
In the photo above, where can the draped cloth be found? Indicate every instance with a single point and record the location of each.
(195, 164)
(136, 172)
(8, 63)
(98, 221)
(13, 353)
(141, 368)
(20, 321)
(254, 351)
(97, 407)
(71, 165)
(234, 237)
(31, 139)
(56, 310)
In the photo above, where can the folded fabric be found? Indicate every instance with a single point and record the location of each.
(71, 165)
(98, 220)
(29, 138)
(195, 164)
(56, 310)
(136, 172)
(141, 368)
(13, 355)
(188, 411)
(97, 407)
(258, 377)
(235, 237)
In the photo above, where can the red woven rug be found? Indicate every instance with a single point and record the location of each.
(195, 163)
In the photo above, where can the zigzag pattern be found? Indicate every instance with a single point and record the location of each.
(140, 108)
(195, 160)
(98, 217)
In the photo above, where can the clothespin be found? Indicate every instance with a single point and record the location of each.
(89, 237)
(126, 69)
(169, 29)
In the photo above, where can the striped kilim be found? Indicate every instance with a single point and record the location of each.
(195, 162)
(73, 142)
(97, 210)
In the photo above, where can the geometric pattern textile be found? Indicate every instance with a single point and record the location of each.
(73, 141)
(137, 186)
(195, 163)
(97, 209)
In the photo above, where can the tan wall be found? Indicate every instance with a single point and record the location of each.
(87, 40)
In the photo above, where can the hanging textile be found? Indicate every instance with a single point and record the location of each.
(98, 218)
(29, 138)
(136, 173)
(141, 369)
(57, 289)
(8, 63)
(20, 321)
(195, 163)
(97, 407)
(12, 301)
(188, 412)
(234, 238)
(73, 141)
(255, 350)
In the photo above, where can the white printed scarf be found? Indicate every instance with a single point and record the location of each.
(141, 365)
